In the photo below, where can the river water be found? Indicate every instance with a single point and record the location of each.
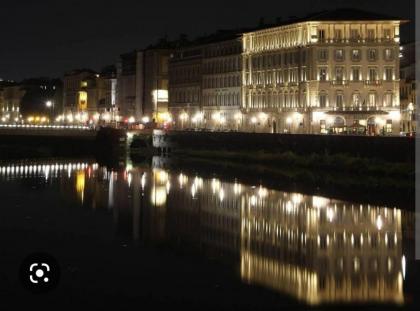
(155, 236)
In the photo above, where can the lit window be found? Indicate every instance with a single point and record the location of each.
(322, 100)
(388, 55)
(323, 55)
(322, 74)
(356, 55)
(356, 99)
(372, 54)
(356, 73)
(373, 74)
(389, 72)
(321, 35)
(372, 99)
(354, 34)
(339, 73)
(339, 100)
(339, 55)
(338, 34)
(388, 100)
(371, 34)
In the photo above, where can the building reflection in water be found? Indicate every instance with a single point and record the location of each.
(315, 249)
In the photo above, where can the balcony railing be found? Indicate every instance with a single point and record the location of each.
(356, 108)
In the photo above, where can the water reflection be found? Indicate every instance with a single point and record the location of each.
(316, 249)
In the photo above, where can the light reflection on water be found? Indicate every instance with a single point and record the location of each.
(316, 249)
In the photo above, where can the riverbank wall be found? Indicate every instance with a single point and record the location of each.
(392, 149)
(50, 142)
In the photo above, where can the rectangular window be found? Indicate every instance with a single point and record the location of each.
(338, 34)
(322, 74)
(388, 100)
(389, 72)
(323, 55)
(356, 73)
(356, 99)
(388, 55)
(356, 55)
(387, 33)
(372, 54)
(339, 55)
(322, 100)
(354, 34)
(372, 99)
(339, 100)
(321, 35)
(388, 126)
(373, 74)
(339, 73)
(371, 34)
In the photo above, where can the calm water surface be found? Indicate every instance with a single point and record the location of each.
(304, 249)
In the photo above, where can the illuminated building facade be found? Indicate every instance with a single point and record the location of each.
(185, 74)
(205, 82)
(332, 72)
(408, 90)
(222, 88)
(75, 95)
(90, 96)
(130, 84)
(11, 95)
(142, 83)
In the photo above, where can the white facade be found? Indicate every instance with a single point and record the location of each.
(319, 77)
(303, 77)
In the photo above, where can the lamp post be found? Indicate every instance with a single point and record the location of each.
(50, 105)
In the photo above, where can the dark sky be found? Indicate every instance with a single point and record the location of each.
(48, 37)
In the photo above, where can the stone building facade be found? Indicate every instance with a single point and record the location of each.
(333, 72)
(185, 87)
(323, 75)
(11, 95)
(142, 83)
(408, 93)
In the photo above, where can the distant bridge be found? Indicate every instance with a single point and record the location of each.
(47, 130)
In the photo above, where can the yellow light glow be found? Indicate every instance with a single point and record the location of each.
(160, 96)
(83, 98)
(158, 195)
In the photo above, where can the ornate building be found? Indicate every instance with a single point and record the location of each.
(185, 87)
(205, 82)
(332, 72)
(11, 95)
(408, 87)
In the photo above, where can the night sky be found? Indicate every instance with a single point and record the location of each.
(49, 37)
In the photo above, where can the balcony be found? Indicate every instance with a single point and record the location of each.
(357, 109)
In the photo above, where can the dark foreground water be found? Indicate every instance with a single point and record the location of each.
(145, 237)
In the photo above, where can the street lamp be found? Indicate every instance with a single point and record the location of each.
(50, 104)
